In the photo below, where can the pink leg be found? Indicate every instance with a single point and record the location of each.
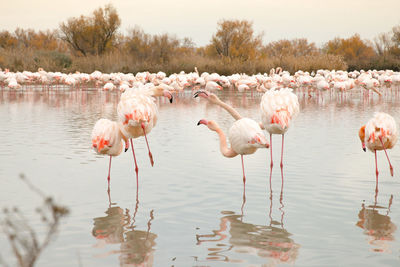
(384, 149)
(270, 198)
(109, 170)
(376, 167)
(136, 167)
(244, 176)
(270, 148)
(150, 155)
(282, 151)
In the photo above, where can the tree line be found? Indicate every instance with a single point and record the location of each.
(87, 43)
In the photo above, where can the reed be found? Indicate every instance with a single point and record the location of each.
(117, 61)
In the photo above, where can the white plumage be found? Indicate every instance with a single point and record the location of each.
(107, 138)
(381, 125)
(380, 133)
(278, 108)
(136, 107)
(246, 136)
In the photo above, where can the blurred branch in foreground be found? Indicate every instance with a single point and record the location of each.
(23, 239)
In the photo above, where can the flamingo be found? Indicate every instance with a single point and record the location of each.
(107, 140)
(278, 108)
(212, 86)
(380, 133)
(138, 114)
(245, 135)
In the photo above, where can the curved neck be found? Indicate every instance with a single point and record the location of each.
(225, 150)
(230, 109)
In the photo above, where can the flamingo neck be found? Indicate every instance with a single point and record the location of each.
(230, 109)
(225, 150)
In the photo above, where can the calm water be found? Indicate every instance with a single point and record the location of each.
(190, 209)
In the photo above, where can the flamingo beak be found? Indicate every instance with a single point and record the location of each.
(168, 95)
(199, 93)
(205, 122)
(363, 147)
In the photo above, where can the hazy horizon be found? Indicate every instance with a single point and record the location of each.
(315, 20)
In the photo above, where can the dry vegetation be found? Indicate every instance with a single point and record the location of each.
(26, 242)
(89, 43)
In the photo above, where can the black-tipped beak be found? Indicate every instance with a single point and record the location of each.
(365, 150)
(199, 123)
(171, 99)
(126, 149)
(197, 93)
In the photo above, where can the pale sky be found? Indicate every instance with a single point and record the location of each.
(318, 21)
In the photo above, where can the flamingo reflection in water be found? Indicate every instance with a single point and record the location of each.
(377, 226)
(118, 227)
(235, 236)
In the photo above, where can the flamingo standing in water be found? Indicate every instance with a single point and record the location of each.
(245, 135)
(278, 108)
(138, 114)
(380, 133)
(107, 140)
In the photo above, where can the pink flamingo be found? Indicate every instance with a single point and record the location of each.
(245, 135)
(107, 140)
(138, 114)
(278, 108)
(380, 133)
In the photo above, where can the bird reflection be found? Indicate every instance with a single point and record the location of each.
(377, 225)
(235, 237)
(118, 227)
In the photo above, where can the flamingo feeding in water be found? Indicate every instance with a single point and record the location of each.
(278, 108)
(138, 114)
(245, 135)
(380, 133)
(107, 140)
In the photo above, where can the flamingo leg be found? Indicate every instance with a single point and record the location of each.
(270, 148)
(136, 167)
(244, 176)
(109, 170)
(384, 149)
(150, 155)
(283, 138)
(376, 168)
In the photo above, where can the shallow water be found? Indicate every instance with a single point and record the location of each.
(191, 209)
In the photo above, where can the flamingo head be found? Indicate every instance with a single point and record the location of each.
(207, 95)
(259, 140)
(160, 91)
(361, 135)
(212, 125)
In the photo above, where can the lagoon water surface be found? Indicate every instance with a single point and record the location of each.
(191, 209)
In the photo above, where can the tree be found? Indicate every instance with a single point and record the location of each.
(7, 40)
(295, 47)
(354, 50)
(383, 43)
(92, 35)
(236, 39)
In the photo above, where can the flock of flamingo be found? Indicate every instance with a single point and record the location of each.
(138, 113)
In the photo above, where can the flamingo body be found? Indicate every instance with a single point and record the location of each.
(107, 138)
(278, 108)
(383, 126)
(246, 136)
